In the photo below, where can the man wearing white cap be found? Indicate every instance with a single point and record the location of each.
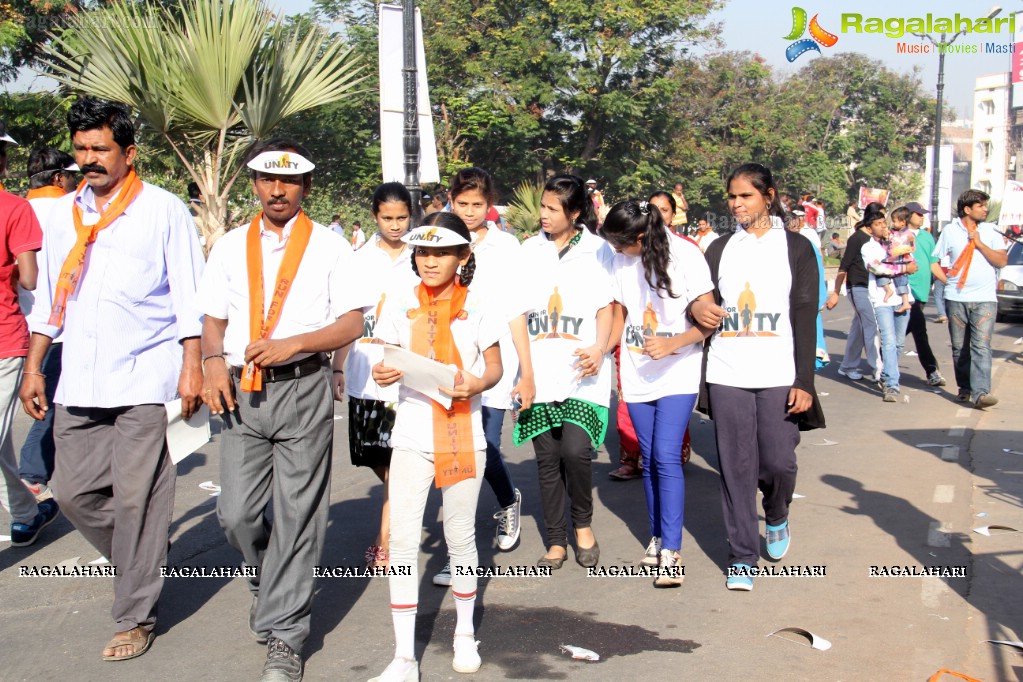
(597, 198)
(278, 296)
(51, 175)
(117, 278)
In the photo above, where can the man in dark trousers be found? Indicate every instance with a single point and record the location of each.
(920, 286)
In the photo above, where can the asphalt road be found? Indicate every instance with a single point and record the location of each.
(869, 497)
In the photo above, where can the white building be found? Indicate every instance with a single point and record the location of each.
(990, 134)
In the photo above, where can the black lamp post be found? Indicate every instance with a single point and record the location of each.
(941, 45)
(411, 128)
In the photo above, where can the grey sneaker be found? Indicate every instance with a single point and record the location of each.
(509, 523)
(985, 400)
(283, 664)
(890, 396)
(260, 639)
(443, 577)
(935, 379)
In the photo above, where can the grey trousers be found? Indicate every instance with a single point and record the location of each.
(277, 447)
(756, 443)
(114, 480)
(14, 496)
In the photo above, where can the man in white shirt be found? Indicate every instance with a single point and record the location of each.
(335, 225)
(120, 263)
(358, 236)
(976, 251)
(278, 296)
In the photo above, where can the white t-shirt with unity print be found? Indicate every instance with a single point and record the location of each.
(655, 313)
(753, 347)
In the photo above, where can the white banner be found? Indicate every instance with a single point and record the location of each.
(944, 184)
(1012, 205)
(392, 101)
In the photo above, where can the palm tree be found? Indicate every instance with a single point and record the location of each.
(211, 76)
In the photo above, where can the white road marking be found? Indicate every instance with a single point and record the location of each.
(964, 413)
(944, 494)
(931, 590)
(957, 431)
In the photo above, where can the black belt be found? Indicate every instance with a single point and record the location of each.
(294, 370)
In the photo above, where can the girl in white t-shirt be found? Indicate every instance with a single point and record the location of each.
(569, 330)
(384, 263)
(656, 276)
(443, 320)
(760, 365)
(498, 258)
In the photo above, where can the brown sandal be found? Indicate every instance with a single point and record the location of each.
(138, 638)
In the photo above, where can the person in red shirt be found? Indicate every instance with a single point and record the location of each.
(812, 211)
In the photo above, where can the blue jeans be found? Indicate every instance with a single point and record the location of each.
(892, 328)
(660, 427)
(37, 451)
(939, 298)
(970, 326)
(496, 473)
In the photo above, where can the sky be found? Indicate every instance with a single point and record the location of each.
(761, 26)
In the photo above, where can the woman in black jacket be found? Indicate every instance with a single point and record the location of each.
(760, 365)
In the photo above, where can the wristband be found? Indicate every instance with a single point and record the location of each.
(338, 371)
(215, 355)
(38, 374)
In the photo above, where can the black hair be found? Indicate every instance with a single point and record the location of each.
(901, 214)
(91, 113)
(968, 199)
(46, 164)
(626, 222)
(335, 218)
(473, 179)
(452, 222)
(666, 195)
(280, 144)
(356, 224)
(440, 196)
(193, 190)
(572, 194)
(762, 180)
(388, 192)
(870, 214)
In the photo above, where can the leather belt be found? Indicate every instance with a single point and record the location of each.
(293, 370)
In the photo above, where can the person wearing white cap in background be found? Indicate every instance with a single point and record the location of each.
(599, 206)
(443, 319)
(51, 174)
(278, 296)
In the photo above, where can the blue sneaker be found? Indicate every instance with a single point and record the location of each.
(24, 534)
(740, 578)
(778, 540)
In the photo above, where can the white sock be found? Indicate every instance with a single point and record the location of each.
(465, 605)
(404, 632)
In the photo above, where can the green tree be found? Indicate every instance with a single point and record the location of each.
(211, 77)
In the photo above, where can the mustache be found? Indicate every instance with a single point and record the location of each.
(275, 201)
(93, 168)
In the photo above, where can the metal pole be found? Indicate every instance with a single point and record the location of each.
(935, 170)
(411, 130)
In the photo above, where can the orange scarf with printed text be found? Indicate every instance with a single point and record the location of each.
(71, 271)
(454, 457)
(49, 191)
(261, 327)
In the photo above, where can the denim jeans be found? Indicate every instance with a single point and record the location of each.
(496, 472)
(939, 298)
(892, 328)
(37, 450)
(862, 333)
(970, 326)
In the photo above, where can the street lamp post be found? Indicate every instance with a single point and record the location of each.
(935, 168)
(411, 128)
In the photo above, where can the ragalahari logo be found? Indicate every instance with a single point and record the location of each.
(817, 35)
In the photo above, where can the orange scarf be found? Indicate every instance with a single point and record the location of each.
(71, 271)
(45, 192)
(963, 263)
(260, 328)
(454, 457)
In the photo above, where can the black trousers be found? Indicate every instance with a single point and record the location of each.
(918, 328)
(563, 461)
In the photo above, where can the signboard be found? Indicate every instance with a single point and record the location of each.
(392, 102)
(1012, 205)
(869, 195)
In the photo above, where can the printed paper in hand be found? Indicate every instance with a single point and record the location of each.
(422, 374)
(185, 437)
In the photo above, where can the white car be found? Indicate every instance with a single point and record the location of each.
(1010, 284)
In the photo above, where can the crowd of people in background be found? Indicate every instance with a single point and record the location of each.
(288, 316)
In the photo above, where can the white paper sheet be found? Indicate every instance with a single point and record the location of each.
(421, 374)
(185, 437)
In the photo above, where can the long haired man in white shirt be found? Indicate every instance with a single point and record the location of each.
(117, 278)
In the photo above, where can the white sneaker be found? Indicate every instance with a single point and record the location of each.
(669, 572)
(467, 658)
(853, 374)
(400, 670)
(443, 577)
(652, 554)
(509, 523)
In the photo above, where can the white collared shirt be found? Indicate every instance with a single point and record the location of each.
(134, 304)
(326, 286)
(42, 207)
